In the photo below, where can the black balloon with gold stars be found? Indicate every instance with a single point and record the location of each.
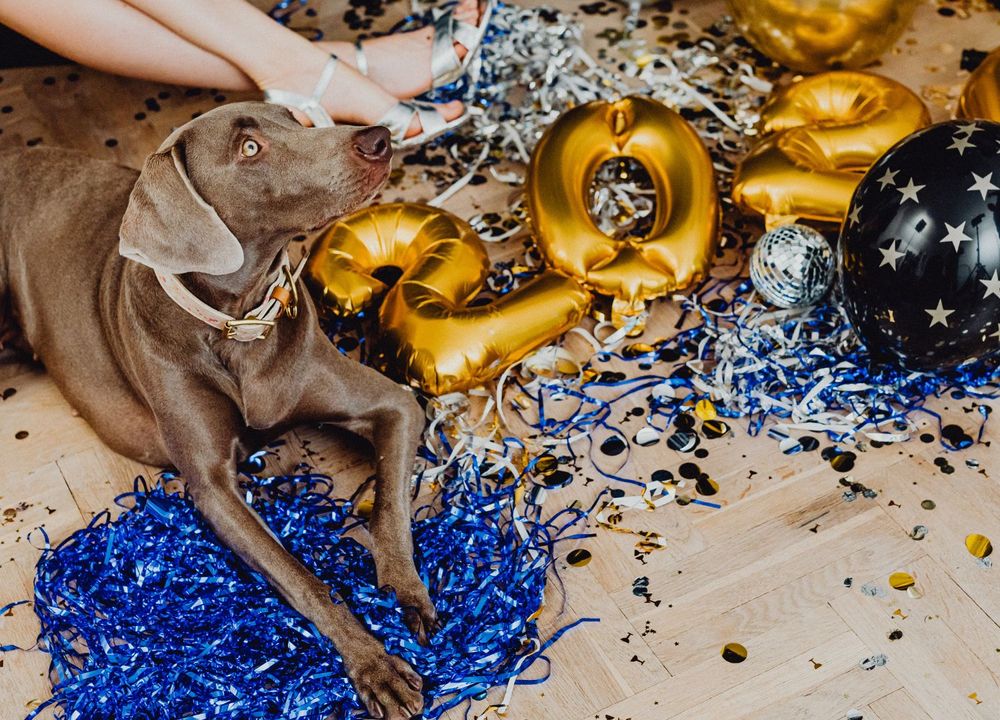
(919, 250)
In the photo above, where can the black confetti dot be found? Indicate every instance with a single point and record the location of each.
(49, 80)
(844, 462)
(689, 470)
(662, 476)
(21, 434)
(926, 438)
(701, 453)
(578, 557)
(706, 485)
(683, 441)
(714, 429)
(684, 421)
(8, 392)
(614, 445)
(111, 142)
(808, 443)
(140, 116)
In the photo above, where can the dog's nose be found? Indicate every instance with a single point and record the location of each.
(372, 143)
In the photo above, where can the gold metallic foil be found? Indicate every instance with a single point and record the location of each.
(819, 136)
(429, 334)
(980, 99)
(817, 35)
(681, 244)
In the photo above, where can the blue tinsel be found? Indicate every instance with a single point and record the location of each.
(147, 616)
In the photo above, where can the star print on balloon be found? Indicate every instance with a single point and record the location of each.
(919, 252)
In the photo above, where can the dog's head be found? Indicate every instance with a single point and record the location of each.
(236, 183)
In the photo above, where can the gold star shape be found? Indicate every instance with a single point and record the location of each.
(939, 315)
(909, 192)
(956, 236)
(891, 254)
(983, 184)
(992, 286)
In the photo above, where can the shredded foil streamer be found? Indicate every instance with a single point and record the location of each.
(149, 617)
(780, 371)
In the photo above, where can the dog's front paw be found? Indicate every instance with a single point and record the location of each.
(386, 684)
(419, 613)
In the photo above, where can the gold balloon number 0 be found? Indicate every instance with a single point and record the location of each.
(429, 333)
(681, 243)
(820, 135)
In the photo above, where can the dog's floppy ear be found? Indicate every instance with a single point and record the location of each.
(169, 226)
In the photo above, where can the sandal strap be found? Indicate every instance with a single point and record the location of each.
(444, 60)
(360, 59)
(446, 66)
(400, 115)
(311, 106)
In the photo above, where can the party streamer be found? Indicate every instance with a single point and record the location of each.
(148, 616)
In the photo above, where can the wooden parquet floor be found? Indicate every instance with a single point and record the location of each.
(786, 566)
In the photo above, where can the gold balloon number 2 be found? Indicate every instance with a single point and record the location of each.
(820, 135)
(429, 332)
(681, 244)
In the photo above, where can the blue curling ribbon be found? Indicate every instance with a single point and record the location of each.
(809, 360)
(148, 616)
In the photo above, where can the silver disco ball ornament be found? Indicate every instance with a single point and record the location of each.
(792, 266)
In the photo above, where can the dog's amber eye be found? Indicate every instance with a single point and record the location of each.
(249, 148)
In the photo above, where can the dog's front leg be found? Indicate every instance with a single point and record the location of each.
(354, 397)
(203, 444)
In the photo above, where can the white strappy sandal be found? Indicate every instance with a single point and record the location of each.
(446, 66)
(397, 119)
(432, 123)
(310, 106)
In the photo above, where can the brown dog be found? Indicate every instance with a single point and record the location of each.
(216, 205)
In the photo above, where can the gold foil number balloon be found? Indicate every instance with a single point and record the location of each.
(681, 243)
(820, 135)
(429, 333)
(816, 35)
(980, 99)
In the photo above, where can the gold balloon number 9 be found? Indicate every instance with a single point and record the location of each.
(681, 244)
(820, 135)
(429, 334)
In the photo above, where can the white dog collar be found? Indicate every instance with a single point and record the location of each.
(281, 299)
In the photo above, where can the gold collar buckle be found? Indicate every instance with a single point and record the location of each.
(233, 326)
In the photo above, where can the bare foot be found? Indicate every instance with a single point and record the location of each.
(401, 62)
(350, 97)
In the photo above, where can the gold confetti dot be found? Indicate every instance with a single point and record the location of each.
(979, 545)
(364, 508)
(578, 557)
(705, 410)
(901, 581)
(734, 653)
